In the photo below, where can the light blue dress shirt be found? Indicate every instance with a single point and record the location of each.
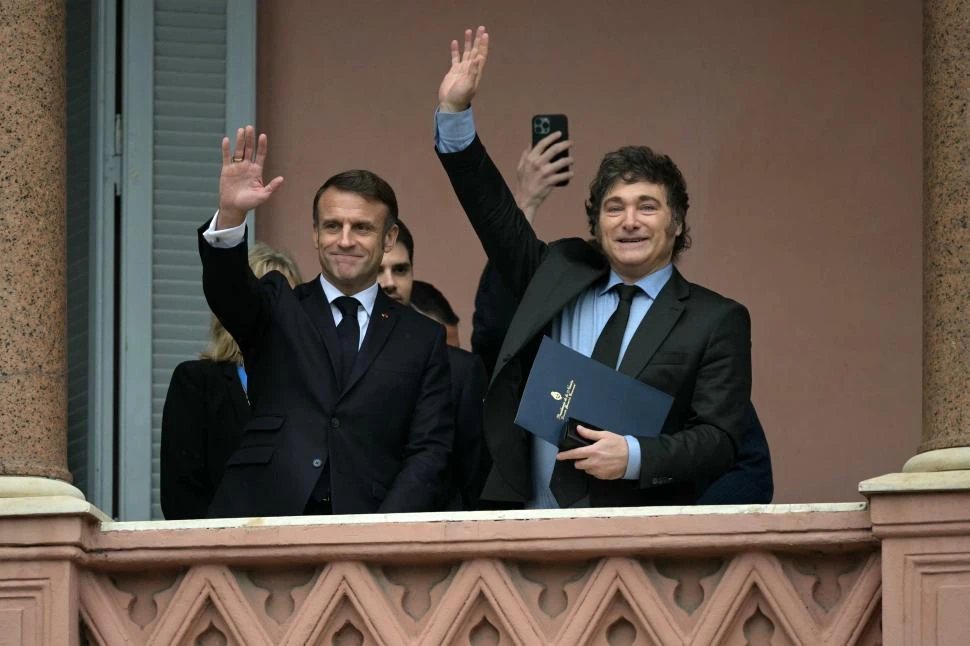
(577, 326)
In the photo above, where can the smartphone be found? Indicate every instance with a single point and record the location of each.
(546, 124)
(571, 439)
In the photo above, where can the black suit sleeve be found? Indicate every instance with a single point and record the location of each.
(184, 479)
(422, 484)
(471, 457)
(705, 448)
(240, 301)
(494, 308)
(507, 237)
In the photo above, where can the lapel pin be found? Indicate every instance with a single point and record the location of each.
(385, 315)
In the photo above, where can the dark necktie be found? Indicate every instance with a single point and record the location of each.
(569, 484)
(607, 348)
(348, 332)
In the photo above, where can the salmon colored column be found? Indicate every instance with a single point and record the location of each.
(33, 337)
(946, 238)
(922, 516)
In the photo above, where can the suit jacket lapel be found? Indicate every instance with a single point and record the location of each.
(656, 325)
(382, 320)
(317, 307)
(554, 285)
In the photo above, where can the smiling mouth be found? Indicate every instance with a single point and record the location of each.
(631, 240)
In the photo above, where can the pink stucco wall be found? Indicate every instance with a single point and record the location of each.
(798, 127)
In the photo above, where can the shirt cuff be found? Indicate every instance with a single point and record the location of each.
(453, 131)
(633, 458)
(224, 238)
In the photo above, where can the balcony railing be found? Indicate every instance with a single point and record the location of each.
(775, 574)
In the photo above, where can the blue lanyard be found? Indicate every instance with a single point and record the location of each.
(241, 370)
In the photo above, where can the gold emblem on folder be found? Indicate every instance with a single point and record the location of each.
(564, 409)
(556, 396)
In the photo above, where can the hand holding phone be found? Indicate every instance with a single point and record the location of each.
(544, 125)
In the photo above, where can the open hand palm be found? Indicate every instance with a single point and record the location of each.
(460, 83)
(241, 186)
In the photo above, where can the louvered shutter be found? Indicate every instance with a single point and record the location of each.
(193, 66)
(78, 220)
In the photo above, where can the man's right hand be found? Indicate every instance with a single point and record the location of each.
(537, 174)
(241, 185)
(460, 84)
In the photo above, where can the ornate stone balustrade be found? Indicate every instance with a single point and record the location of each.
(731, 575)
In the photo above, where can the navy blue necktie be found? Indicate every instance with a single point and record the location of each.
(348, 332)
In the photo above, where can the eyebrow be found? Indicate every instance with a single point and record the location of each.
(352, 222)
(639, 198)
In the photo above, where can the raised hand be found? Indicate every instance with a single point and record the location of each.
(241, 185)
(461, 82)
(537, 174)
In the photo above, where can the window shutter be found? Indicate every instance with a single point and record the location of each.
(192, 70)
(78, 34)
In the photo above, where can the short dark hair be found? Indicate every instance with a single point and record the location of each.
(404, 237)
(641, 164)
(426, 298)
(366, 184)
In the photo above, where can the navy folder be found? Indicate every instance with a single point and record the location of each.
(565, 384)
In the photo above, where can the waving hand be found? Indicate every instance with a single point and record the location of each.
(461, 82)
(241, 185)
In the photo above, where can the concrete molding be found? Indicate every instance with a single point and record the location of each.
(458, 537)
(33, 487)
(924, 533)
(38, 603)
(918, 481)
(810, 574)
(952, 459)
(50, 506)
(821, 597)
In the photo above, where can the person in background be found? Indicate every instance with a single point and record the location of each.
(206, 408)
(426, 298)
(750, 480)
(468, 379)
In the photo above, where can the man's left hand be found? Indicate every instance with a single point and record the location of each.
(606, 458)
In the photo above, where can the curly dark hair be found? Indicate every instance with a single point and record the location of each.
(635, 164)
(366, 184)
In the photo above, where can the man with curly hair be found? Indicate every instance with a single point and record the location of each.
(619, 300)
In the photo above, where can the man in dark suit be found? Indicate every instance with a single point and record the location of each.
(468, 379)
(750, 480)
(349, 390)
(620, 301)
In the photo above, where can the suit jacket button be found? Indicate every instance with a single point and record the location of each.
(334, 423)
(317, 463)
